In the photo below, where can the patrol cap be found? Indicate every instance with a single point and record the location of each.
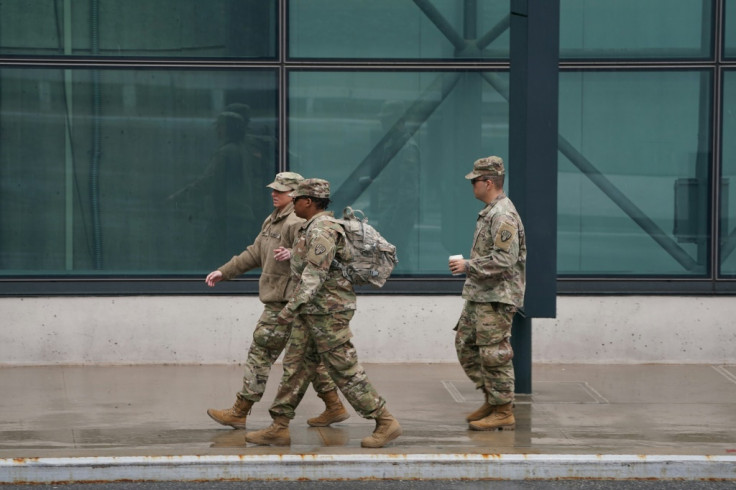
(488, 166)
(313, 188)
(243, 110)
(231, 119)
(286, 181)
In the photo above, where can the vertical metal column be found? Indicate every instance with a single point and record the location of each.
(68, 148)
(533, 163)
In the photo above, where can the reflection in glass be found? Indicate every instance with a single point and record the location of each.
(139, 172)
(635, 29)
(420, 29)
(728, 185)
(633, 173)
(397, 145)
(141, 28)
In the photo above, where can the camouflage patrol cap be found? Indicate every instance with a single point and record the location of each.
(286, 181)
(243, 110)
(313, 188)
(488, 166)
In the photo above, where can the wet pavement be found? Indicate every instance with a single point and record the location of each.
(613, 421)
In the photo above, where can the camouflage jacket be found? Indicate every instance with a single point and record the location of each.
(496, 270)
(278, 230)
(321, 289)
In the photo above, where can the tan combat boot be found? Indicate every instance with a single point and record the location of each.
(501, 418)
(235, 416)
(277, 434)
(387, 429)
(484, 411)
(334, 411)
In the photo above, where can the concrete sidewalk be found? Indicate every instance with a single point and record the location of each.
(581, 421)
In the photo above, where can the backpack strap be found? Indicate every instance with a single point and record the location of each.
(337, 264)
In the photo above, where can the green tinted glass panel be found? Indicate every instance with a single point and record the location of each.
(634, 29)
(437, 29)
(633, 173)
(149, 28)
(728, 183)
(730, 29)
(132, 171)
(397, 146)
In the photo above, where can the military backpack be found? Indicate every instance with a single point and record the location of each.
(372, 257)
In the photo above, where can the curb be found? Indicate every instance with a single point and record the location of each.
(316, 467)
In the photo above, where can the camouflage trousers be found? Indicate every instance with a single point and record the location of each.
(325, 339)
(269, 339)
(482, 343)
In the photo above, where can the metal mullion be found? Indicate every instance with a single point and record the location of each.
(717, 173)
(283, 86)
(717, 128)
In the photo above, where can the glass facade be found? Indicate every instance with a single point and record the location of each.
(137, 137)
(387, 29)
(636, 29)
(729, 27)
(132, 171)
(634, 149)
(728, 179)
(381, 139)
(139, 28)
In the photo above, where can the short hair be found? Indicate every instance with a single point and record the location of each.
(321, 202)
(497, 180)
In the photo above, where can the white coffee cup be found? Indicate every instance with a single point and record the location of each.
(456, 257)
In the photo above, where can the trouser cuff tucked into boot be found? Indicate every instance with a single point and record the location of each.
(482, 412)
(334, 410)
(387, 429)
(502, 418)
(277, 434)
(235, 416)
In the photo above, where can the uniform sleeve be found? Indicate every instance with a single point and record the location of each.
(499, 249)
(321, 249)
(249, 259)
(240, 264)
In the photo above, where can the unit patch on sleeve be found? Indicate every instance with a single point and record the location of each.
(504, 237)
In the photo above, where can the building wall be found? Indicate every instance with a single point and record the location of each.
(131, 181)
(107, 111)
(397, 329)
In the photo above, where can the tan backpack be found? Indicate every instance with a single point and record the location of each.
(372, 257)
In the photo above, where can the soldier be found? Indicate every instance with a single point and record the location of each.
(270, 251)
(324, 302)
(493, 291)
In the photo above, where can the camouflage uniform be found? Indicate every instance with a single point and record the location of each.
(274, 287)
(493, 291)
(324, 302)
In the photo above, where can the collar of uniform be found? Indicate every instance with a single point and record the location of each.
(321, 215)
(279, 215)
(489, 206)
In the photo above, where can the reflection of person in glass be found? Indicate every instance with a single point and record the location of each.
(271, 251)
(395, 190)
(230, 188)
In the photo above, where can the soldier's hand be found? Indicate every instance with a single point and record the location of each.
(281, 254)
(213, 278)
(457, 266)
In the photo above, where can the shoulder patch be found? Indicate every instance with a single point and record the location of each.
(504, 237)
(317, 253)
